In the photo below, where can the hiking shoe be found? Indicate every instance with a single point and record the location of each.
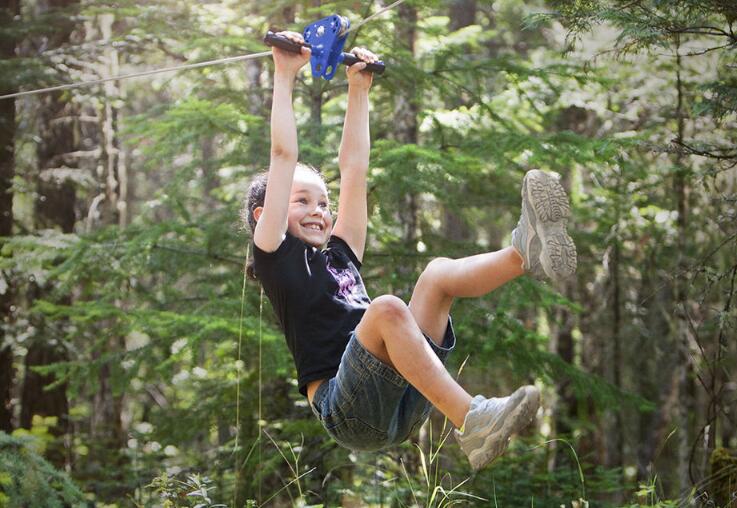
(540, 236)
(490, 423)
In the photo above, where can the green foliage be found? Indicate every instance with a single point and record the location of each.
(193, 491)
(158, 313)
(39, 435)
(26, 479)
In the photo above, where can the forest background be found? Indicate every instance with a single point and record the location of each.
(138, 368)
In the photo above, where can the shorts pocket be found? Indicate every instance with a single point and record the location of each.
(332, 422)
(359, 435)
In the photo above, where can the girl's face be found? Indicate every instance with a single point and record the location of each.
(309, 217)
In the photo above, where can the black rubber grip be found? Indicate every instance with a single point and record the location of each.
(281, 42)
(376, 67)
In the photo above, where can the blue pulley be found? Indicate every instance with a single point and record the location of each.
(326, 39)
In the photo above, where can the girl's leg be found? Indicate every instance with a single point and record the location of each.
(393, 332)
(541, 246)
(388, 330)
(446, 279)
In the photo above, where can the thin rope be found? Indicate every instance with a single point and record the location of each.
(219, 61)
(238, 368)
(374, 15)
(260, 425)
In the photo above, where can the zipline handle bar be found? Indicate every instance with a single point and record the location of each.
(350, 59)
(281, 42)
(326, 39)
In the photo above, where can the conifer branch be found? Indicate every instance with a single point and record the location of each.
(700, 30)
(709, 50)
(701, 262)
(690, 150)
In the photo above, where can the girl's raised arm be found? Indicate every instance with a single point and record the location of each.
(271, 225)
(353, 157)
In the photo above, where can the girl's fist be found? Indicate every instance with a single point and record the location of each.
(355, 76)
(287, 62)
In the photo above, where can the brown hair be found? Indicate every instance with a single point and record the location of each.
(255, 198)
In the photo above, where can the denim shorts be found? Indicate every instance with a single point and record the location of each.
(368, 405)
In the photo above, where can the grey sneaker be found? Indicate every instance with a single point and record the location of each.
(540, 236)
(490, 423)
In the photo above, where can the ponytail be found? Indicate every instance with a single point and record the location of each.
(254, 198)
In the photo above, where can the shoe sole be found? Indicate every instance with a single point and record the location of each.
(520, 415)
(547, 203)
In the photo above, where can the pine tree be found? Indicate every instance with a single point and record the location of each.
(8, 42)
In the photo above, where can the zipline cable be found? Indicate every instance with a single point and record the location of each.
(220, 61)
(374, 15)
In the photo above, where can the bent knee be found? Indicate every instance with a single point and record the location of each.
(389, 307)
(434, 270)
(437, 265)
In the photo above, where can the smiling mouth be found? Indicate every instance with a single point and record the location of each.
(313, 227)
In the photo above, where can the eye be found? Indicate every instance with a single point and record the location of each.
(302, 200)
(324, 204)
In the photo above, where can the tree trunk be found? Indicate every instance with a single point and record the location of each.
(44, 402)
(613, 419)
(405, 115)
(685, 399)
(46, 348)
(254, 88)
(462, 14)
(8, 9)
(54, 208)
(116, 172)
(257, 107)
(729, 394)
(565, 404)
(728, 349)
(106, 425)
(654, 360)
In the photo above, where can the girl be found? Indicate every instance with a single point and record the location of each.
(372, 370)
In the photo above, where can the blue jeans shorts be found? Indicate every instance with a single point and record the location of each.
(368, 405)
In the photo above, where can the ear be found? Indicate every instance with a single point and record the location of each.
(257, 212)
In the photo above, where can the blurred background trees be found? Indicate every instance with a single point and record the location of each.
(134, 349)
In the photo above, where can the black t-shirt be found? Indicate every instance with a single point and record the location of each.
(318, 297)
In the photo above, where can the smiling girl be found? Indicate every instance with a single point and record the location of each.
(373, 370)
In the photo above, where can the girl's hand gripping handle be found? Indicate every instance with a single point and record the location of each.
(289, 51)
(375, 67)
(282, 42)
(360, 60)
